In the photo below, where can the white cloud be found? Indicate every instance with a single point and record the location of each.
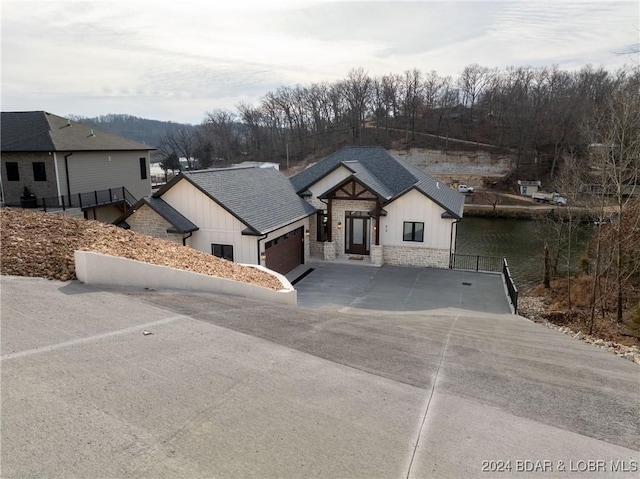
(176, 60)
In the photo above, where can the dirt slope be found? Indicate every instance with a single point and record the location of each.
(42, 244)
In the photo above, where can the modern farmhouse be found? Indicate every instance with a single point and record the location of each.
(370, 202)
(360, 202)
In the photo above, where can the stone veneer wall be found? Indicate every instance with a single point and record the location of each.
(150, 223)
(377, 258)
(413, 256)
(329, 251)
(338, 214)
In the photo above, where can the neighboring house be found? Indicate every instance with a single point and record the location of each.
(528, 187)
(246, 215)
(370, 202)
(59, 160)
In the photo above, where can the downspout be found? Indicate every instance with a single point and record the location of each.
(55, 167)
(185, 238)
(260, 239)
(452, 242)
(66, 170)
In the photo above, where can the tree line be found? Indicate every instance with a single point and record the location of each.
(538, 114)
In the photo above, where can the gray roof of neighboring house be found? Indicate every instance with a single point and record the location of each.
(385, 174)
(261, 198)
(42, 131)
(179, 223)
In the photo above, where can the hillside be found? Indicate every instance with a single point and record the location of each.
(42, 245)
(142, 130)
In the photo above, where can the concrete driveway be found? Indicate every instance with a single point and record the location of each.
(347, 287)
(229, 387)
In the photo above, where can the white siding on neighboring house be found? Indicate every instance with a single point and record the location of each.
(414, 206)
(101, 170)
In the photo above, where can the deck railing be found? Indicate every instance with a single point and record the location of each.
(86, 200)
(493, 264)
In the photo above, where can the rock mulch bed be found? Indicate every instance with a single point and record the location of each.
(533, 308)
(42, 245)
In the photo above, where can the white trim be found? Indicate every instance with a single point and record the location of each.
(55, 167)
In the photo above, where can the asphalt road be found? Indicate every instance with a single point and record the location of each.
(229, 387)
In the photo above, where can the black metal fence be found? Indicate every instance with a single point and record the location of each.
(473, 262)
(494, 264)
(86, 200)
(512, 291)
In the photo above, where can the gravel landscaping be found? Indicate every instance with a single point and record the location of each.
(42, 245)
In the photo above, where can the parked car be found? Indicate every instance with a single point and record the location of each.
(465, 189)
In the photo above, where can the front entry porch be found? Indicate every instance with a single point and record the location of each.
(357, 237)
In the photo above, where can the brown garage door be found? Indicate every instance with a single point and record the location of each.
(285, 252)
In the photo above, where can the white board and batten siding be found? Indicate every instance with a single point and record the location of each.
(101, 170)
(414, 206)
(217, 225)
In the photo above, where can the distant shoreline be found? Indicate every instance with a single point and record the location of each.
(520, 211)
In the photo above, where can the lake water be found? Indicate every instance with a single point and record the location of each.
(518, 240)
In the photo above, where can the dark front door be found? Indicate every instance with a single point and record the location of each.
(356, 235)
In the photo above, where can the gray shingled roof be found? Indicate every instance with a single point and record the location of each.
(261, 198)
(179, 223)
(384, 173)
(42, 131)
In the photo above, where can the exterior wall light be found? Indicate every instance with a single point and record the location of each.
(339, 224)
(307, 233)
(263, 256)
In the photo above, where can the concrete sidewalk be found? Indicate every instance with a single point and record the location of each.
(228, 387)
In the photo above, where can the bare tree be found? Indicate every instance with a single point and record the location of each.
(615, 130)
(356, 90)
(180, 142)
(221, 130)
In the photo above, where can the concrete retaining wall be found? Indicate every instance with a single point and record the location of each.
(104, 270)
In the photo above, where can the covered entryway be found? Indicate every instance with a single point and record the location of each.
(357, 232)
(285, 252)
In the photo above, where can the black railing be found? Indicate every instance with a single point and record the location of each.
(493, 264)
(512, 291)
(474, 262)
(87, 200)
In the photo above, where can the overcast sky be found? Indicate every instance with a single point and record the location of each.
(177, 60)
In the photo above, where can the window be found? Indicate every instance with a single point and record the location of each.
(143, 168)
(224, 251)
(13, 174)
(322, 225)
(413, 231)
(39, 171)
